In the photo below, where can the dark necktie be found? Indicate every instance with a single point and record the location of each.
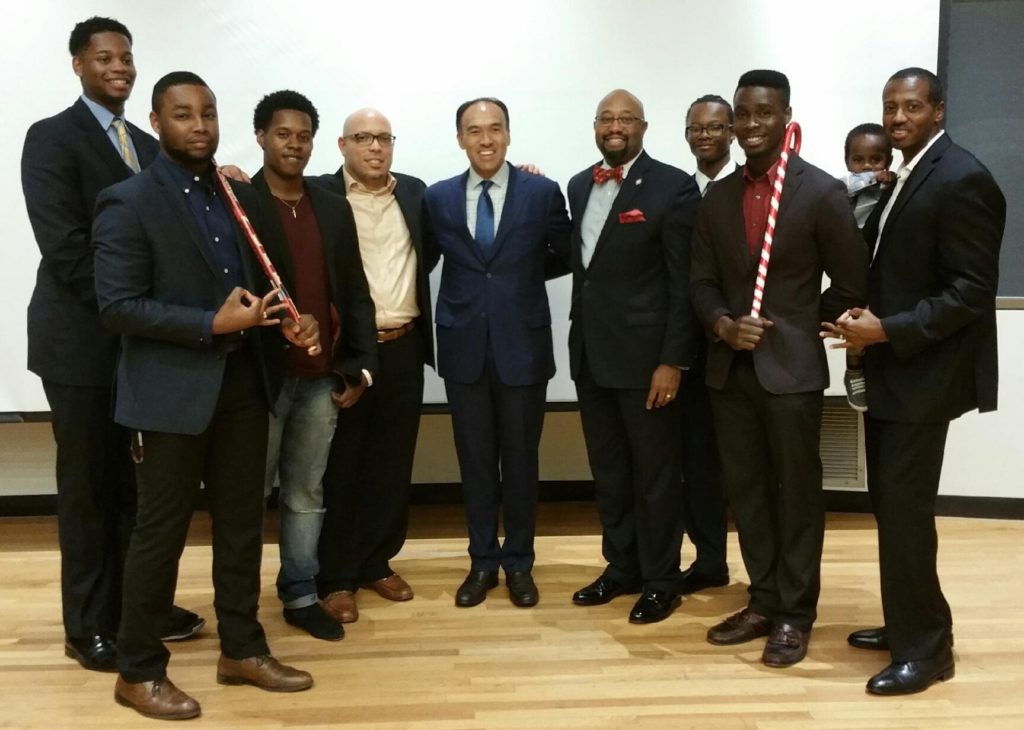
(707, 188)
(603, 174)
(484, 233)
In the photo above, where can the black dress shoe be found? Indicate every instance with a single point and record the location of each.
(181, 624)
(692, 581)
(601, 591)
(474, 589)
(521, 589)
(876, 639)
(314, 620)
(93, 652)
(904, 678)
(654, 606)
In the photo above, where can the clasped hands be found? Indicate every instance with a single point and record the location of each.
(243, 309)
(856, 329)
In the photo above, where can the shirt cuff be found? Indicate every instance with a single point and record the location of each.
(369, 378)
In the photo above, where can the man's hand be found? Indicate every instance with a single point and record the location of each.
(243, 309)
(235, 173)
(855, 329)
(664, 386)
(530, 168)
(742, 334)
(304, 333)
(352, 393)
(886, 178)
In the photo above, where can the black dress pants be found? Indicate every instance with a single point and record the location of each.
(95, 507)
(366, 486)
(771, 471)
(229, 458)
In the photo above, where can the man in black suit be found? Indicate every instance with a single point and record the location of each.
(930, 333)
(370, 469)
(632, 336)
(67, 160)
(767, 373)
(499, 229)
(175, 279)
(312, 242)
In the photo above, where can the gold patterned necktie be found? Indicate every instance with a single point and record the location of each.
(122, 139)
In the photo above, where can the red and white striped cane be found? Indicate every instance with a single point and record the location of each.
(791, 143)
(257, 248)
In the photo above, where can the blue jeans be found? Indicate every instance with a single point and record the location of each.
(297, 450)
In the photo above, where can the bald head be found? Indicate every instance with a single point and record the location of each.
(368, 147)
(619, 127)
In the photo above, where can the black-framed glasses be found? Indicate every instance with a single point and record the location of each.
(713, 130)
(365, 139)
(626, 120)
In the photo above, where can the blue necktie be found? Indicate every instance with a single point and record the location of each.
(484, 233)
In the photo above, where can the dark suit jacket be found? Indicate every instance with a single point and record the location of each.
(157, 287)
(498, 301)
(356, 345)
(67, 160)
(933, 283)
(409, 194)
(631, 307)
(815, 234)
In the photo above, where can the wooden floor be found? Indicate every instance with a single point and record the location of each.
(425, 664)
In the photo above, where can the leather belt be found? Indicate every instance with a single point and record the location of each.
(396, 332)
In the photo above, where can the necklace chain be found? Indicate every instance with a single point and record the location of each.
(294, 205)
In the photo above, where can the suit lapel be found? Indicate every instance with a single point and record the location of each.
(325, 218)
(917, 177)
(177, 203)
(457, 203)
(790, 191)
(100, 142)
(509, 212)
(277, 242)
(632, 186)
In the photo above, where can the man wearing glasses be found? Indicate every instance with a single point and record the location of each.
(366, 488)
(709, 134)
(632, 337)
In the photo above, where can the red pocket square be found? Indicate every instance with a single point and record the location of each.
(632, 216)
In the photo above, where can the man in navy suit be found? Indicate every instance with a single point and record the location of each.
(930, 333)
(500, 230)
(633, 334)
(67, 160)
(175, 279)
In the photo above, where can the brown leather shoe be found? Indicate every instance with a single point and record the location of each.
(786, 646)
(158, 699)
(341, 605)
(739, 628)
(264, 672)
(393, 588)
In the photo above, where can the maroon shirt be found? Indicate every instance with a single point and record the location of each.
(310, 288)
(757, 200)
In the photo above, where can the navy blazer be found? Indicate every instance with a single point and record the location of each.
(933, 283)
(815, 234)
(409, 196)
(157, 284)
(631, 306)
(356, 344)
(67, 160)
(498, 301)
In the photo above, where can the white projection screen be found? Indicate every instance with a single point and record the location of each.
(549, 60)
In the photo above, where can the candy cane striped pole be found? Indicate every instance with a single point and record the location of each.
(791, 142)
(256, 246)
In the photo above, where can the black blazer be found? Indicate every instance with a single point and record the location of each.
(815, 234)
(356, 345)
(933, 282)
(409, 194)
(157, 286)
(631, 307)
(67, 160)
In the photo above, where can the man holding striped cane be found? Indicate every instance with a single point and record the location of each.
(766, 365)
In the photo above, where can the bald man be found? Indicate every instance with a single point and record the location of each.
(366, 487)
(633, 337)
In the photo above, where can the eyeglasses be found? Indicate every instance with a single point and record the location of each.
(365, 139)
(626, 120)
(713, 130)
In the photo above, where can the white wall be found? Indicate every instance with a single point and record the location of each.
(550, 60)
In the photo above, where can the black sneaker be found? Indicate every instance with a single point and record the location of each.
(316, 621)
(181, 624)
(856, 390)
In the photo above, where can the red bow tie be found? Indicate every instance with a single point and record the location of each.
(603, 174)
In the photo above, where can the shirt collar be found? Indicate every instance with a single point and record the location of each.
(703, 180)
(917, 158)
(103, 115)
(625, 165)
(186, 180)
(772, 172)
(352, 184)
(500, 178)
